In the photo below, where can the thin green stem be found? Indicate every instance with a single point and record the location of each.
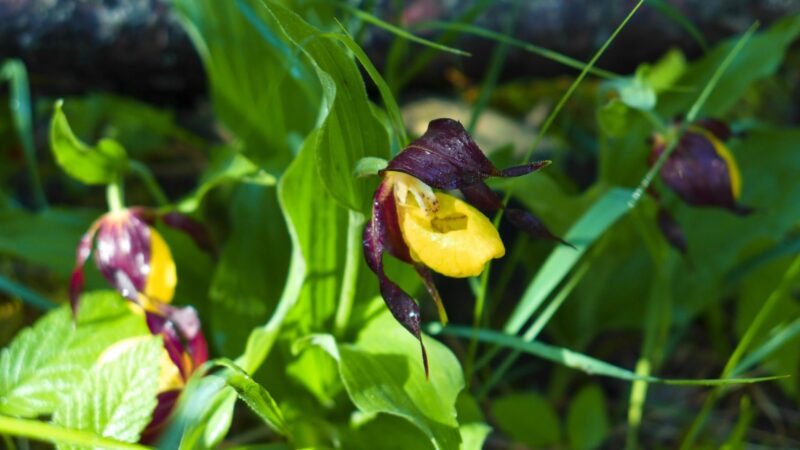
(144, 174)
(531, 48)
(498, 59)
(115, 196)
(753, 330)
(656, 327)
(41, 431)
(19, 102)
(542, 131)
(10, 445)
(477, 320)
(567, 95)
(352, 259)
(495, 67)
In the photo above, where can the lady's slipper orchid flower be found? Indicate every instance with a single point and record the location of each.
(701, 171)
(134, 258)
(435, 230)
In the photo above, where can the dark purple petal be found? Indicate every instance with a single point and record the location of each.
(82, 253)
(159, 325)
(671, 230)
(716, 127)
(386, 204)
(446, 157)
(161, 415)
(376, 241)
(482, 197)
(123, 252)
(194, 229)
(532, 225)
(698, 174)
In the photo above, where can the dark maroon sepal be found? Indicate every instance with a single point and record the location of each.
(75, 289)
(482, 197)
(532, 225)
(194, 229)
(82, 253)
(716, 127)
(376, 241)
(699, 175)
(672, 230)
(446, 157)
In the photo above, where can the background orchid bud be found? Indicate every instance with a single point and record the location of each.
(133, 256)
(701, 170)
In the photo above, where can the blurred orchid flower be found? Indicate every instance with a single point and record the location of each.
(435, 230)
(132, 255)
(702, 171)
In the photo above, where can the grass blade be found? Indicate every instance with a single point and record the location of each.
(389, 102)
(579, 361)
(679, 18)
(604, 213)
(535, 49)
(397, 31)
(780, 292)
(783, 336)
(19, 102)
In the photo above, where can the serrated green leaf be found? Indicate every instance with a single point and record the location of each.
(104, 163)
(118, 396)
(587, 419)
(46, 363)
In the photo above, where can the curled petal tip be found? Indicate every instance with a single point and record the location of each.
(424, 359)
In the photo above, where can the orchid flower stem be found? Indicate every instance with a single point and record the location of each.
(9, 442)
(780, 292)
(477, 319)
(150, 183)
(352, 258)
(115, 196)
